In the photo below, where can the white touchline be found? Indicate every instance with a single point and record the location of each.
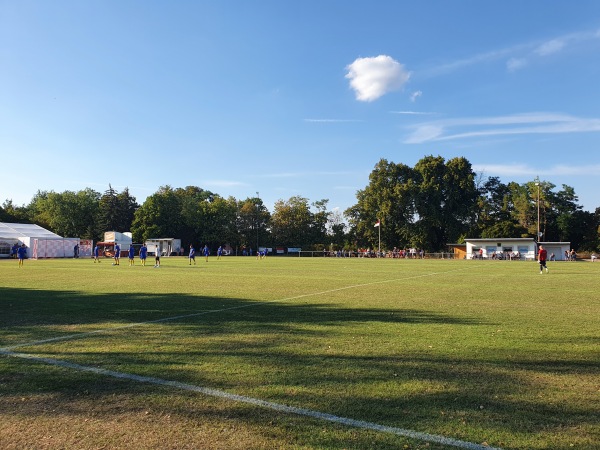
(257, 402)
(213, 311)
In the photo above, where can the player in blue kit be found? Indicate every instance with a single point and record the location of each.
(143, 254)
(96, 254)
(117, 255)
(131, 255)
(219, 252)
(21, 252)
(192, 254)
(206, 252)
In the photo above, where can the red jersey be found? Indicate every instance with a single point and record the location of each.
(542, 255)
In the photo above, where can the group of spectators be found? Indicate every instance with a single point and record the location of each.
(413, 253)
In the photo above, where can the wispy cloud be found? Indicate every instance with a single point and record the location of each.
(373, 77)
(533, 123)
(308, 174)
(517, 56)
(553, 46)
(415, 95)
(223, 183)
(413, 113)
(519, 170)
(332, 120)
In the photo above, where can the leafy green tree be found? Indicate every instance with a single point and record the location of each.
(292, 222)
(14, 214)
(445, 199)
(69, 214)
(252, 223)
(117, 210)
(159, 216)
(390, 198)
(493, 211)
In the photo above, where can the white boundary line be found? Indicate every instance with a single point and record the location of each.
(7, 351)
(257, 402)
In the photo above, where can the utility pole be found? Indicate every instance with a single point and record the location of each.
(537, 183)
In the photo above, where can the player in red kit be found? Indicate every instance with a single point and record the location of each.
(542, 256)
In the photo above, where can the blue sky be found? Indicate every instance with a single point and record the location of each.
(294, 98)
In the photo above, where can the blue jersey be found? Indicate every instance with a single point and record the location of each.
(117, 251)
(143, 252)
(21, 252)
(220, 251)
(206, 250)
(96, 251)
(131, 252)
(192, 252)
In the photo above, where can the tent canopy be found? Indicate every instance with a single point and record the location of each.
(20, 230)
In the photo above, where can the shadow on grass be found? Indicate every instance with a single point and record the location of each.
(278, 352)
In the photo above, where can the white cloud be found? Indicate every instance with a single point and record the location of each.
(425, 133)
(415, 95)
(514, 64)
(553, 46)
(373, 77)
(413, 113)
(535, 123)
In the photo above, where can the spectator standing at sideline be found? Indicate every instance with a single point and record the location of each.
(542, 255)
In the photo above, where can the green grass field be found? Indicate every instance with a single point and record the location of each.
(485, 353)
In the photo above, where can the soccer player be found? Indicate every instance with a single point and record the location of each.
(96, 254)
(219, 252)
(143, 254)
(131, 255)
(206, 252)
(117, 254)
(192, 254)
(542, 255)
(157, 256)
(21, 252)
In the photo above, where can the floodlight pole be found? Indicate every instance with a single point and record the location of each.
(379, 245)
(257, 214)
(537, 183)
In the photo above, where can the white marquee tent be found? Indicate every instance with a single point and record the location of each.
(40, 243)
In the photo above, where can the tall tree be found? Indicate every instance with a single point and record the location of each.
(252, 223)
(390, 198)
(69, 214)
(117, 210)
(292, 222)
(159, 216)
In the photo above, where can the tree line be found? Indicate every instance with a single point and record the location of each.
(427, 206)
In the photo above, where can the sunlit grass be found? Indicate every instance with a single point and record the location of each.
(480, 351)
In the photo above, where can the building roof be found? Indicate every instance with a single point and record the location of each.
(499, 239)
(19, 230)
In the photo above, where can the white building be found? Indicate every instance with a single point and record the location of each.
(514, 248)
(501, 248)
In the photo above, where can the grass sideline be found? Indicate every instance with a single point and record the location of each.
(487, 352)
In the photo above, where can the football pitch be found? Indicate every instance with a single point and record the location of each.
(299, 353)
